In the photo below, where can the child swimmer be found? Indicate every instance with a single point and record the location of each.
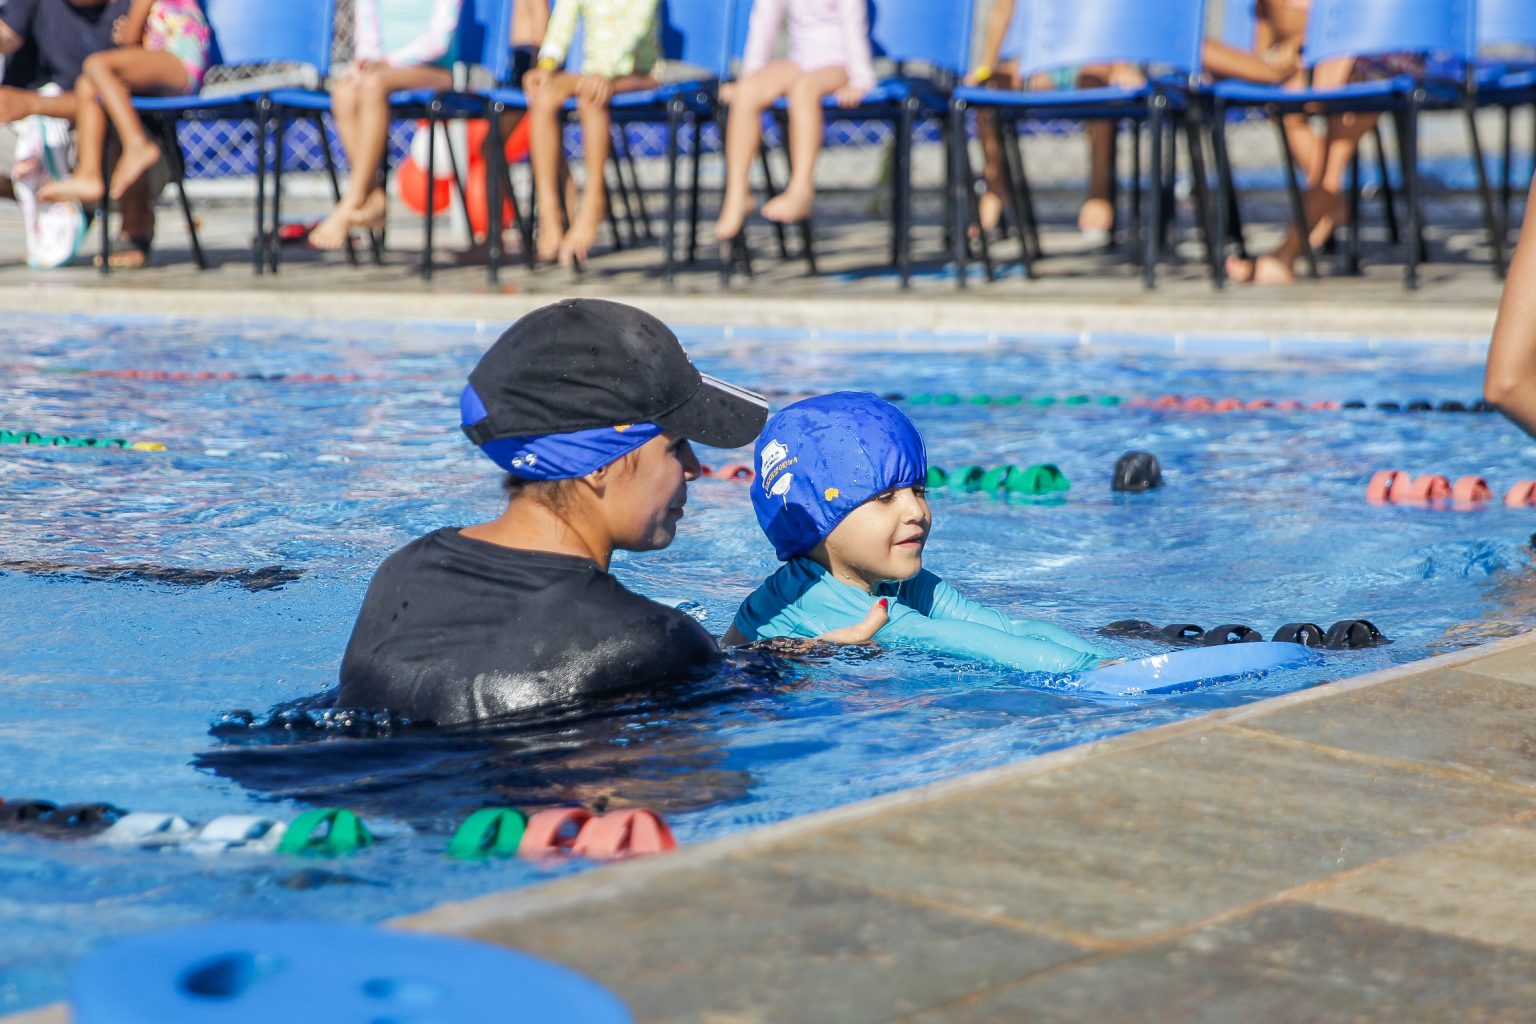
(840, 493)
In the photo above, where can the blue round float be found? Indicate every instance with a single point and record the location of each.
(256, 973)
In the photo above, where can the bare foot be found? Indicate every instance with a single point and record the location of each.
(578, 241)
(373, 214)
(137, 158)
(790, 206)
(550, 239)
(331, 233)
(733, 214)
(73, 189)
(1096, 217)
(989, 210)
(1264, 270)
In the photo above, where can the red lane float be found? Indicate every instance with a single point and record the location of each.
(553, 831)
(1430, 487)
(1521, 495)
(1379, 490)
(736, 472)
(627, 833)
(1470, 490)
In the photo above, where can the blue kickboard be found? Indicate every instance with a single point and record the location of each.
(258, 973)
(1186, 670)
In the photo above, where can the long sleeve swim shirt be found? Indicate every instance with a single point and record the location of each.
(407, 33)
(619, 36)
(822, 33)
(803, 600)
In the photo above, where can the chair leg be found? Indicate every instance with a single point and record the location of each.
(1153, 224)
(493, 177)
(1388, 193)
(427, 218)
(261, 240)
(1409, 144)
(693, 193)
(103, 216)
(1018, 191)
(1350, 257)
(644, 215)
(1293, 191)
(902, 191)
(957, 220)
(971, 199)
(171, 146)
(669, 243)
(273, 242)
(1506, 190)
(1194, 139)
(772, 189)
(1228, 208)
(1138, 212)
(1491, 221)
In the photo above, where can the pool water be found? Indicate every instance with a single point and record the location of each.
(128, 687)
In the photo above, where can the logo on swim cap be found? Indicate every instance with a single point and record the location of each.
(782, 485)
(773, 454)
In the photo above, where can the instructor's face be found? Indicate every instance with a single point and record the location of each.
(649, 491)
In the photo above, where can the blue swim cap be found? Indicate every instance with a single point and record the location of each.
(821, 458)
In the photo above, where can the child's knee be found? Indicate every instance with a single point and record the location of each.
(805, 93)
(97, 63)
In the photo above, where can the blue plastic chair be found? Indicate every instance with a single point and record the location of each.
(1050, 34)
(1504, 83)
(482, 39)
(696, 33)
(245, 32)
(929, 44)
(1340, 28)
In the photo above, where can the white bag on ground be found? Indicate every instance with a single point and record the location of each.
(54, 231)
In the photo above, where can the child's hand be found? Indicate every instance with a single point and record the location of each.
(727, 92)
(534, 81)
(120, 33)
(849, 96)
(862, 632)
(594, 89)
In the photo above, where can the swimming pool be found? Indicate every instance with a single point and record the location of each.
(112, 684)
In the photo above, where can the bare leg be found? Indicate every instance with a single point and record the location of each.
(85, 184)
(597, 142)
(363, 204)
(805, 129)
(546, 145)
(744, 134)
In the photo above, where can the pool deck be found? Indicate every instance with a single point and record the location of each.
(1357, 851)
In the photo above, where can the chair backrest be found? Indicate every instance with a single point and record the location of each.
(1340, 28)
(1504, 23)
(1068, 33)
(1239, 20)
(485, 28)
(934, 32)
(268, 31)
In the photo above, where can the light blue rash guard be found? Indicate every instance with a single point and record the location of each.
(803, 599)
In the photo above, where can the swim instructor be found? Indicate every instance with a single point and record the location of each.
(589, 408)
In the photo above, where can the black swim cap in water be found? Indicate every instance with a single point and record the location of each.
(580, 364)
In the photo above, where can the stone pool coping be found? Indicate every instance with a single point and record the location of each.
(1359, 850)
(1263, 319)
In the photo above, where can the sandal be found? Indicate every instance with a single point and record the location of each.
(129, 254)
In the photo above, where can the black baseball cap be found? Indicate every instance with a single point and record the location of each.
(580, 364)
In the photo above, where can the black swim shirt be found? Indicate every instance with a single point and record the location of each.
(454, 630)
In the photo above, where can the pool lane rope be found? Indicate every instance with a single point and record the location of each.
(1346, 634)
(1467, 493)
(41, 440)
(1170, 402)
(1039, 480)
(492, 832)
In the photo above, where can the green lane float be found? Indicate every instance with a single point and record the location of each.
(1031, 481)
(40, 440)
(489, 832)
(325, 832)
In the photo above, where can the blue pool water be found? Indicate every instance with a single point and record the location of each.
(122, 689)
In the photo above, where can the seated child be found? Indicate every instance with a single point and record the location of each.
(401, 44)
(829, 53)
(620, 54)
(162, 50)
(839, 492)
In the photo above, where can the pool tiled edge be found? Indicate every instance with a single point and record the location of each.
(1359, 851)
(1292, 859)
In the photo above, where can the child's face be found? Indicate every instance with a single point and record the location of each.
(881, 540)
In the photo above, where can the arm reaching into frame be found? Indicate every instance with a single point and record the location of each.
(1510, 379)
